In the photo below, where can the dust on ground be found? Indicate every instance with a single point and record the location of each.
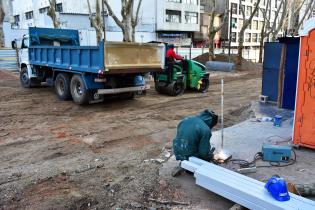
(57, 155)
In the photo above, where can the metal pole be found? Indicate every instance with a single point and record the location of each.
(222, 113)
(190, 51)
(230, 35)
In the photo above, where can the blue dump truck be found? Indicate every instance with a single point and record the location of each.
(86, 73)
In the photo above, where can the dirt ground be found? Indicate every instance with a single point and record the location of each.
(57, 155)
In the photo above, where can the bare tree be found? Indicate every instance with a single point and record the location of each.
(2, 14)
(129, 19)
(96, 20)
(275, 27)
(52, 13)
(309, 8)
(246, 23)
(212, 30)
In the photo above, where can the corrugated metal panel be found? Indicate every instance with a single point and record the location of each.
(271, 67)
(8, 60)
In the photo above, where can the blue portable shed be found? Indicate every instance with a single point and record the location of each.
(280, 71)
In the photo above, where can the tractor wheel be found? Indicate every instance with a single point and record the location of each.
(204, 86)
(177, 88)
(79, 93)
(62, 86)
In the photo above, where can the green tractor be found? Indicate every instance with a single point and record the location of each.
(177, 77)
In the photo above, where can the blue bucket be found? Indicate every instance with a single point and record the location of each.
(277, 120)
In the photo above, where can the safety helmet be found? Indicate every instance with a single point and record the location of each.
(277, 187)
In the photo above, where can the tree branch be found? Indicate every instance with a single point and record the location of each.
(111, 13)
(136, 19)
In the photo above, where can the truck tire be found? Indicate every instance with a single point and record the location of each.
(24, 78)
(26, 82)
(62, 86)
(79, 93)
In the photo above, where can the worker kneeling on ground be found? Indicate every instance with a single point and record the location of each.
(193, 136)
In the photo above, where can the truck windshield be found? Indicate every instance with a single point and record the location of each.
(25, 43)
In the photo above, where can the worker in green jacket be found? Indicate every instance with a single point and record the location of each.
(193, 136)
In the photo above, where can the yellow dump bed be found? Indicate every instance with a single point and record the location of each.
(123, 57)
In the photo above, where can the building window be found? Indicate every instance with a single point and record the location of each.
(191, 17)
(233, 37)
(173, 16)
(255, 25)
(59, 7)
(261, 13)
(240, 23)
(247, 37)
(234, 22)
(255, 38)
(194, 2)
(175, 1)
(29, 15)
(259, 38)
(16, 18)
(43, 10)
(234, 8)
(249, 26)
(249, 10)
(260, 25)
(202, 8)
(240, 10)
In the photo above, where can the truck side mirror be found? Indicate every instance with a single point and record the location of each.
(13, 44)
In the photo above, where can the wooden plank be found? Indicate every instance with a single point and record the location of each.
(241, 189)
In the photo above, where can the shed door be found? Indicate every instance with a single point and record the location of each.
(290, 74)
(271, 68)
(307, 131)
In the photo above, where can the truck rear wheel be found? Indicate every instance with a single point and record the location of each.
(62, 86)
(79, 93)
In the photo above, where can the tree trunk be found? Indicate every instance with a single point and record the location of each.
(52, 13)
(2, 14)
(240, 48)
(261, 43)
(127, 33)
(211, 48)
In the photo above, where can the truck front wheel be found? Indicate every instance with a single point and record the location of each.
(27, 82)
(79, 93)
(62, 86)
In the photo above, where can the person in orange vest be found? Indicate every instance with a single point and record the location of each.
(171, 58)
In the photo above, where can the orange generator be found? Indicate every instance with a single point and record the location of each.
(304, 119)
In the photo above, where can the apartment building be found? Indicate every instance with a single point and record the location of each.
(177, 20)
(206, 7)
(252, 33)
(172, 21)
